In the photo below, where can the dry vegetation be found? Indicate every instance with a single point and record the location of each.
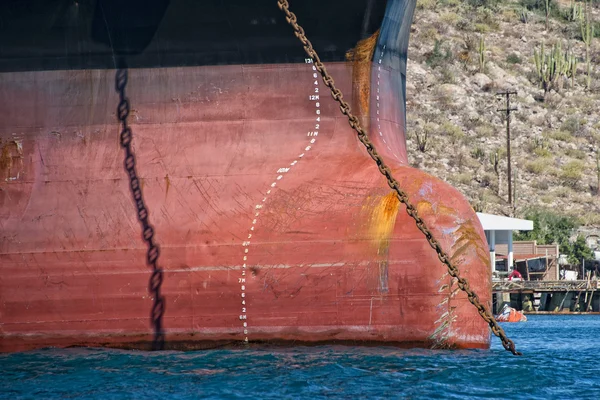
(461, 54)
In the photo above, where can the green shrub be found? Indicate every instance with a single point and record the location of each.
(426, 4)
(542, 152)
(484, 3)
(540, 5)
(571, 125)
(484, 131)
(451, 3)
(563, 192)
(540, 184)
(513, 59)
(549, 227)
(453, 132)
(575, 153)
(547, 199)
(478, 153)
(438, 56)
(448, 76)
(561, 135)
(481, 28)
(571, 173)
(537, 166)
(487, 17)
(539, 145)
(430, 34)
(579, 250)
(555, 172)
(450, 18)
(465, 178)
(591, 218)
(464, 24)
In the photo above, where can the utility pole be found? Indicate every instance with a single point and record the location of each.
(508, 109)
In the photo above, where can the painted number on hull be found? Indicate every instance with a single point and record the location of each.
(280, 174)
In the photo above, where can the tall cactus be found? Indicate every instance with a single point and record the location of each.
(481, 54)
(598, 172)
(550, 67)
(547, 4)
(571, 67)
(524, 16)
(587, 34)
(575, 12)
(495, 162)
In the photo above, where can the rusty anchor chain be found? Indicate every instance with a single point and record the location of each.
(463, 284)
(156, 279)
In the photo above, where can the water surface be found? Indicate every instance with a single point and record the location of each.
(561, 361)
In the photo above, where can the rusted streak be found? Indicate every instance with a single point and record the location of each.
(10, 154)
(361, 56)
(168, 184)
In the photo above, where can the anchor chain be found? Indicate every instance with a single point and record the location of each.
(156, 279)
(463, 284)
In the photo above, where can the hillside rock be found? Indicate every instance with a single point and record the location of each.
(555, 135)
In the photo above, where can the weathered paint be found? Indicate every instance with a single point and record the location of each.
(332, 256)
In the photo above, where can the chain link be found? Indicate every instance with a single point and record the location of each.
(463, 284)
(156, 279)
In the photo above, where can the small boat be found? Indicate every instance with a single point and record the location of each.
(510, 314)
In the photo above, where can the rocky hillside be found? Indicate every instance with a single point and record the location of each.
(462, 53)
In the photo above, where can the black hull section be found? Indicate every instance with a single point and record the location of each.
(92, 34)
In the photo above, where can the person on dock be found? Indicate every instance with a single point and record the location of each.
(515, 275)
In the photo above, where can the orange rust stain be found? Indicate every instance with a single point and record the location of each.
(5, 159)
(361, 56)
(11, 152)
(383, 219)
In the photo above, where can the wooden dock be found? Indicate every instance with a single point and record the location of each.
(548, 297)
(507, 286)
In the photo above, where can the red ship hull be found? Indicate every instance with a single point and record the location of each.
(269, 231)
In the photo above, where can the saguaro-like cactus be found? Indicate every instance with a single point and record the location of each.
(598, 172)
(481, 54)
(550, 67)
(571, 68)
(524, 16)
(547, 4)
(575, 12)
(587, 34)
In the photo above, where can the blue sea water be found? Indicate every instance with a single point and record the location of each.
(561, 360)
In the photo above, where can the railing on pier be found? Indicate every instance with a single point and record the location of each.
(507, 286)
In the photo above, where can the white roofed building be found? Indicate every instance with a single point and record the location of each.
(499, 230)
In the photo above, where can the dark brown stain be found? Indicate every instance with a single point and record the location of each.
(168, 183)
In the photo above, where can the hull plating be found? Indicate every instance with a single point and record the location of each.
(274, 223)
